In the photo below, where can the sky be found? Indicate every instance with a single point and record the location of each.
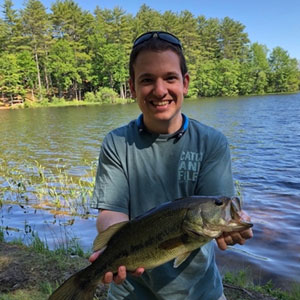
(269, 22)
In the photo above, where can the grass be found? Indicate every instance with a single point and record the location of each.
(25, 294)
(45, 269)
(61, 102)
(60, 258)
(1, 236)
(53, 189)
(244, 280)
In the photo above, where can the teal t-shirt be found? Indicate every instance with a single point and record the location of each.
(139, 170)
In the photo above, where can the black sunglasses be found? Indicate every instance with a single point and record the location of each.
(162, 35)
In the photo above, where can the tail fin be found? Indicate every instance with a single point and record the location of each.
(75, 289)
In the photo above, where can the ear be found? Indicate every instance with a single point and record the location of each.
(132, 88)
(186, 81)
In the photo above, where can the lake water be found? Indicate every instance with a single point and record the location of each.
(264, 134)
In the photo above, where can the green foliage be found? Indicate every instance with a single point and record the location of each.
(68, 52)
(240, 278)
(103, 95)
(10, 75)
(1, 236)
(56, 100)
(244, 279)
(46, 288)
(107, 95)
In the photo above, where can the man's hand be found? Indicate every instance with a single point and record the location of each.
(238, 237)
(120, 276)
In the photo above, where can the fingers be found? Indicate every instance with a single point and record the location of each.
(247, 234)
(120, 276)
(138, 272)
(221, 243)
(232, 238)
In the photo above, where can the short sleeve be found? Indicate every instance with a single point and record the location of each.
(215, 176)
(111, 187)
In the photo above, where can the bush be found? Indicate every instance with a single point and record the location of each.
(56, 100)
(103, 95)
(89, 97)
(107, 95)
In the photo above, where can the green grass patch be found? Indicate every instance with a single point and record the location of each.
(244, 280)
(25, 294)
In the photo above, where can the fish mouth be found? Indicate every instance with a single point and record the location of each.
(234, 217)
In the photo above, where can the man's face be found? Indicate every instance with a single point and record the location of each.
(159, 88)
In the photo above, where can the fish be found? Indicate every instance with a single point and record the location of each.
(169, 231)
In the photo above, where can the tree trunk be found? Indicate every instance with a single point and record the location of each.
(122, 91)
(46, 79)
(38, 73)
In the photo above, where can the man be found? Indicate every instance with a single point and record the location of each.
(159, 157)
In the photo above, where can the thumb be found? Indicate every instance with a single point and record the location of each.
(94, 256)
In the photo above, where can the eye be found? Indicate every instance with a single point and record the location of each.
(146, 80)
(218, 202)
(171, 78)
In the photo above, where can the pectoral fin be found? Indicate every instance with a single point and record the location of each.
(102, 238)
(180, 259)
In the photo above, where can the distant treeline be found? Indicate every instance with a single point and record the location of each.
(67, 52)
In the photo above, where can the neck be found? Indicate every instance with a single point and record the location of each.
(164, 126)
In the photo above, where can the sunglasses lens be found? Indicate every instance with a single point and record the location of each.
(143, 38)
(169, 38)
(161, 35)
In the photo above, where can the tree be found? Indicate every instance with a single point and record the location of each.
(12, 40)
(36, 28)
(73, 25)
(284, 71)
(260, 67)
(62, 65)
(206, 80)
(233, 39)
(170, 22)
(10, 76)
(27, 67)
(209, 34)
(145, 20)
(228, 77)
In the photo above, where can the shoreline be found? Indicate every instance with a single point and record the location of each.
(34, 272)
(65, 103)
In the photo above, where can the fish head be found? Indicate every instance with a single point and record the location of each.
(214, 215)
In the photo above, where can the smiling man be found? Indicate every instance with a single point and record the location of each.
(161, 156)
(159, 87)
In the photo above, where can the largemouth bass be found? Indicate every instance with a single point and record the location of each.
(170, 231)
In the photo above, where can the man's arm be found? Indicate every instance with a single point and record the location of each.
(105, 219)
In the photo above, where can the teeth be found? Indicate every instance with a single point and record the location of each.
(160, 103)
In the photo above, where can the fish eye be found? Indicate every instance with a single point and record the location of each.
(218, 202)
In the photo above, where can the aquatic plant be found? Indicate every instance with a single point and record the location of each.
(52, 189)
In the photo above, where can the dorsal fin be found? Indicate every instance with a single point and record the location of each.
(102, 239)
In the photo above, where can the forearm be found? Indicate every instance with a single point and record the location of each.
(107, 218)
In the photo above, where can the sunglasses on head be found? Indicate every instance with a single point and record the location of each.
(162, 35)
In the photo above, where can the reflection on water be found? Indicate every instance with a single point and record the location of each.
(264, 134)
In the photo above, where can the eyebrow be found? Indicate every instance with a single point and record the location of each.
(151, 75)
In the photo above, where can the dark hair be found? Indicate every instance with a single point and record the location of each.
(156, 45)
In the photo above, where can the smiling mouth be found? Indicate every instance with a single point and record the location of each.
(161, 103)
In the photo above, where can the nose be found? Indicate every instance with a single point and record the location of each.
(160, 90)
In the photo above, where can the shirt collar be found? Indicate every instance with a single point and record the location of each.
(142, 128)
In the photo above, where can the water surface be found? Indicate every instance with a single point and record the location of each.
(264, 135)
